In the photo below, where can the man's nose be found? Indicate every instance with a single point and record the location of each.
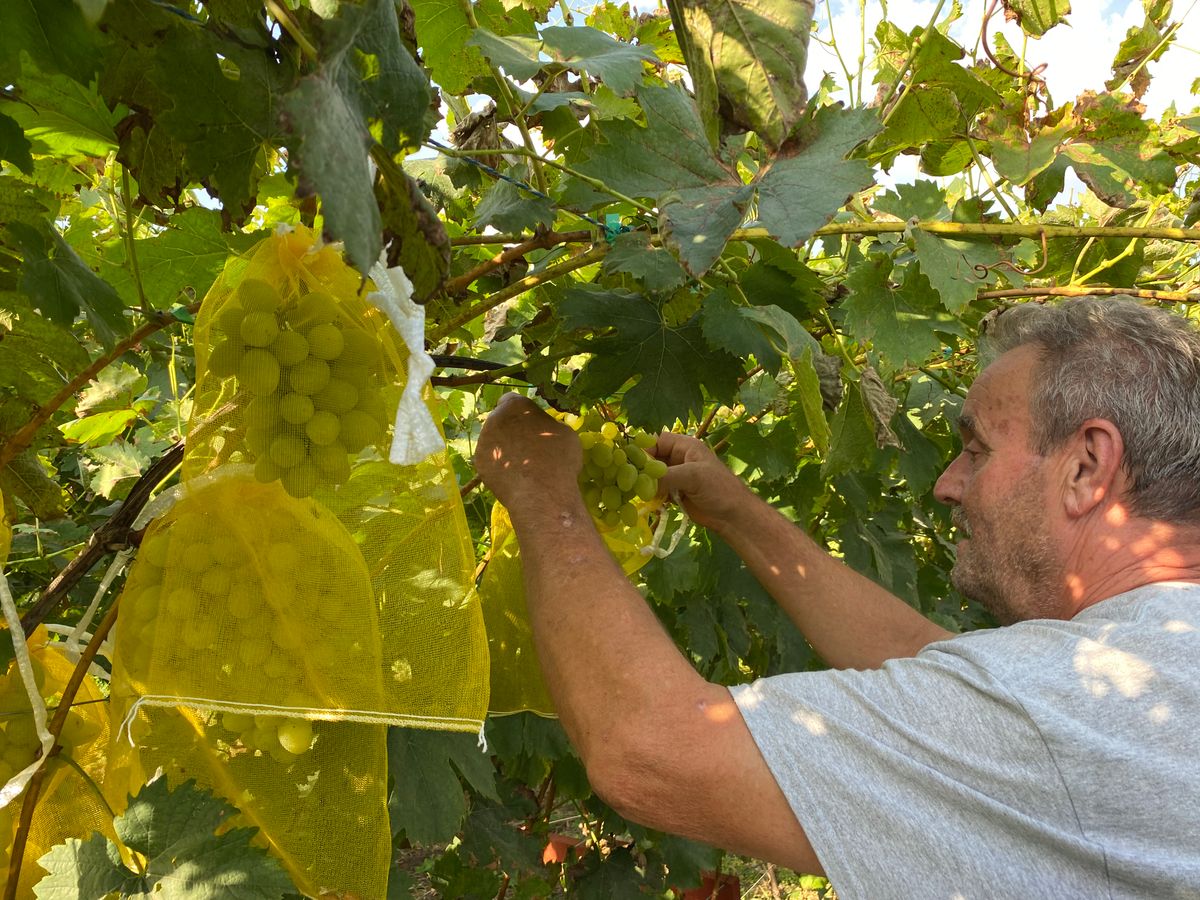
(948, 489)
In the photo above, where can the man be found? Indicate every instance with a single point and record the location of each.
(1056, 756)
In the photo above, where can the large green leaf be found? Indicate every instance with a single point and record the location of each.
(670, 364)
(443, 33)
(1036, 17)
(587, 50)
(799, 194)
(898, 320)
(14, 145)
(54, 33)
(669, 153)
(655, 268)
(185, 857)
(60, 285)
(756, 51)
(517, 54)
(852, 437)
(696, 222)
(427, 801)
(949, 265)
(63, 117)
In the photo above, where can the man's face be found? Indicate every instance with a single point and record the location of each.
(1007, 558)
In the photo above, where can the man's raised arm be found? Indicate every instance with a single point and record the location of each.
(850, 621)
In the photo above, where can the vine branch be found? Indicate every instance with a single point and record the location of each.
(544, 241)
(1172, 296)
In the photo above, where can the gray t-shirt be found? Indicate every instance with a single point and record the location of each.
(1045, 759)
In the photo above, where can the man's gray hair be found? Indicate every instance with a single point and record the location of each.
(1136, 366)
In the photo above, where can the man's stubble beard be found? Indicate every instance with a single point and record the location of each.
(1010, 565)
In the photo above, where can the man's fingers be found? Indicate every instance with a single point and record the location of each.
(680, 479)
(673, 449)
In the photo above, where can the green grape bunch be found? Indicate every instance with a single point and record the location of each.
(314, 378)
(619, 471)
(282, 738)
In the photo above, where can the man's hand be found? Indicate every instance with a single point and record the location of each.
(524, 456)
(710, 493)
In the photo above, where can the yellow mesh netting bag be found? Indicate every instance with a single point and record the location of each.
(517, 684)
(298, 376)
(70, 804)
(322, 810)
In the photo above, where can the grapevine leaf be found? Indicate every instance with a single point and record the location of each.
(491, 836)
(756, 52)
(1116, 169)
(632, 254)
(111, 469)
(685, 859)
(920, 464)
(444, 32)
(670, 363)
(14, 145)
(778, 278)
(589, 51)
(615, 876)
(922, 200)
(1019, 159)
(852, 440)
(223, 110)
(807, 386)
(175, 831)
(115, 388)
(700, 67)
(364, 50)
(508, 208)
(179, 264)
(59, 284)
(85, 869)
(54, 33)
(1036, 17)
(26, 479)
(100, 429)
(949, 265)
(36, 351)
(62, 117)
(899, 321)
(881, 407)
(697, 222)
(798, 195)
(427, 801)
(331, 154)
(726, 328)
(517, 54)
(669, 153)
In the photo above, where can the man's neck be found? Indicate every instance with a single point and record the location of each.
(1115, 555)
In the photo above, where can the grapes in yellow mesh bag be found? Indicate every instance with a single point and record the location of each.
(297, 373)
(70, 804)
(619, 482)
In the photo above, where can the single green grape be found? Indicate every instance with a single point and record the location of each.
(229, 319)
(295, 735)
(644, 441)
(359, 430)
(323, 428)
(655, 468)
(225, 357)
(359, 376)
(610, 430)
(265, 469)
(257, 295)
(259, 329)
(360, 347)
(243, 600)
(287, 451)
(629, 514)
(301, 480)
(237, 722)
(627, 475)
(618, 457)
(262, 412)
(636, 455)
(610, 496)
(309, 376)
(589, 439)
(611, 518)
(315, 308)
(259, 372)
(197, 558)
(645, 487)
(337, 396)
(333, 462)
(325, 341)
(591, 496)
(601, 455)
(290, 347)
(296, 409)
(258, 441)
(253, 652)
(155, 550)
(216, 581)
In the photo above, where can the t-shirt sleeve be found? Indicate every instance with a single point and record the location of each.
(922, 778)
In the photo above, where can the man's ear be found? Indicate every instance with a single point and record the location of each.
(1094, 472)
